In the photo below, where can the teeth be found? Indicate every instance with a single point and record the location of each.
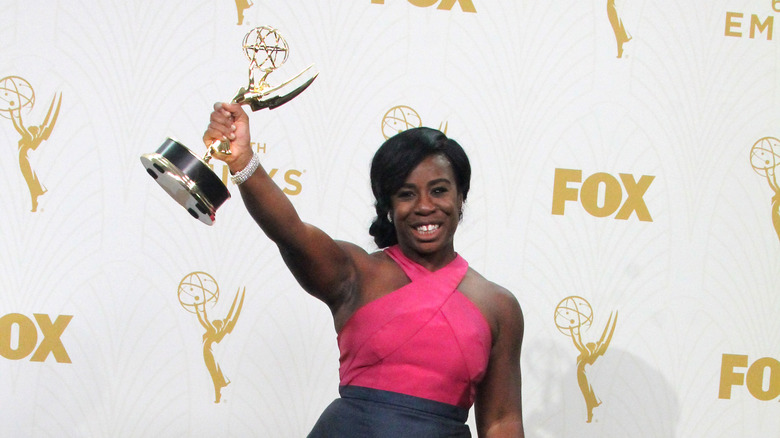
(427, 228)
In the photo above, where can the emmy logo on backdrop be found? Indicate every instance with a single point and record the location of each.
(241, 6)
(188, 178)
(765, 157)
(572, 315)
(17, 94)
(400, 118)
(197, 292)
(621, 34)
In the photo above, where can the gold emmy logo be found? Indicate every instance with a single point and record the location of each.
(241, 6)
(16, 94)
(765, 157)
(572, 315)
(400, 118)
(197, 292)
(621, 34)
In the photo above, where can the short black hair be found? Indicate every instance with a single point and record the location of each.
(396, 159)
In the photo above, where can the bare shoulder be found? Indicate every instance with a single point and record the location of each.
(370, 267)
(479, 288)
(377, 275)
(355, 252)
(499, 305)
(363, 260)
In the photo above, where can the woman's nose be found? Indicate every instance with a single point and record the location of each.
(425, 205)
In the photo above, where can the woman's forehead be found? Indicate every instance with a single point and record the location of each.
(433, 167)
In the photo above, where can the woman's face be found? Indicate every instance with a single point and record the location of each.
(426, 209)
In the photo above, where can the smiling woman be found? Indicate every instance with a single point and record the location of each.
(420, 179)
(422, 336)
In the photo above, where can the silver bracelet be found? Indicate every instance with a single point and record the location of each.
(246, 172)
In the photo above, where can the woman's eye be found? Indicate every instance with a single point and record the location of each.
(404, 195)
(439, 190)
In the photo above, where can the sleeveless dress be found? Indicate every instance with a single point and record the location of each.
(411, 360)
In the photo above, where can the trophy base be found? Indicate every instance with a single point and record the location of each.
(187, 179)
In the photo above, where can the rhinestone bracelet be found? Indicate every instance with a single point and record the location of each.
(245, 173)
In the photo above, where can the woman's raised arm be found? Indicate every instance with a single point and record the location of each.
(323, 267)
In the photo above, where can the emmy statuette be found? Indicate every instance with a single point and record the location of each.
(186, 177)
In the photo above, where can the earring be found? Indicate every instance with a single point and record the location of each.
(389, 217)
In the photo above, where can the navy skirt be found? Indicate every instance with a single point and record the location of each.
(372, 413)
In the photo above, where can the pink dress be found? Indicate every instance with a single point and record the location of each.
(425, 339)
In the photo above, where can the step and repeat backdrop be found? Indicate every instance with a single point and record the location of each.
(625, 190)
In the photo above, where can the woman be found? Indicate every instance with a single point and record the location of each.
(422, 336)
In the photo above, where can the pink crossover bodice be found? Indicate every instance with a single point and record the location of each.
(425, 339)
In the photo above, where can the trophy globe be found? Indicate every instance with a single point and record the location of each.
(197, 289)
(266, 51)
(399, 119)
(15, 93)
(573, 314)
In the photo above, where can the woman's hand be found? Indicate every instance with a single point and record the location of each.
(229, 122)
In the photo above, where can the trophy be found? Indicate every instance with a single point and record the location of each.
(186, 177)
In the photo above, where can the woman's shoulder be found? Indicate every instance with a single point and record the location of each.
(497, 303)
(475, 283)
(377, 275)
(362, 258)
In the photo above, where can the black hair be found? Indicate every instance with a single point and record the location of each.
(396, 159)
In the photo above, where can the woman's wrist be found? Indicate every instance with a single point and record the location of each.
(237, 161)
(240, 173)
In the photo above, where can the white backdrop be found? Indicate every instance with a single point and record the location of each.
(529, 88)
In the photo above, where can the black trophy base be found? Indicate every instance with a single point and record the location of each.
(187, 179)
